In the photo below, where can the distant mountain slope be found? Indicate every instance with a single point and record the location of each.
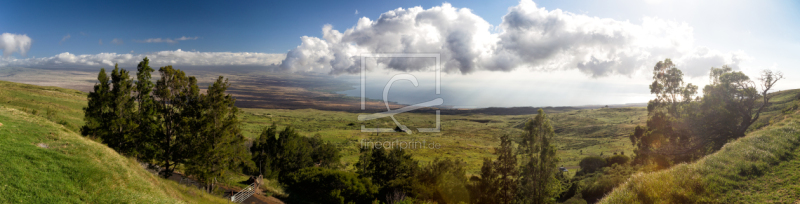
(762, 167)
(42, 161)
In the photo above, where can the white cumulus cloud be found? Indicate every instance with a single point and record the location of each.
(11, 43)
(529, 37)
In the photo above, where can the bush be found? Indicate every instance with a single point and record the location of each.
(443, 181)
(595, 186)
(321, 185)
(618, 159)
(591, 164)
(575, 200)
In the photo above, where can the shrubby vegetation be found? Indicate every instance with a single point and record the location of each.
(321, 185)
(278, 153)
(682, 127)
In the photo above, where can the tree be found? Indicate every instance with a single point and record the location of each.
(669, 88)
(122, 124)
(618, 159)
(328, 186)
(681, 129)
(98, 108)
(147, 115)
(325, 154)
(264, 152)
(498, 181)
(171, 99)
(294, 153)
(276, 157)
(217, 145)
(392, 171)
(591, 164)
(732, 101)
(537, 181)
(442, 181)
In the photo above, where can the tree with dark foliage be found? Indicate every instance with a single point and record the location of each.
(537, 181)
(681, 128)
(498, 179)
(98, 108)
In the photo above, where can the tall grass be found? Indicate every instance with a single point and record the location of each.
(714, 178)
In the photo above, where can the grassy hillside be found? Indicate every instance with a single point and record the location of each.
(45, 161)
(762, 167)
(60, 105)
(471, 137)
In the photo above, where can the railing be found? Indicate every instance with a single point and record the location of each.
(244, 193)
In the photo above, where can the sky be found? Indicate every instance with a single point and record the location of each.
(493, 53)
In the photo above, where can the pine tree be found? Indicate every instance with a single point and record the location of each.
(537, 181)
(498, 181)
(170, 98)
(95, 114)
(264, 149)
(122, 118)
(219, 146)
(147, 115)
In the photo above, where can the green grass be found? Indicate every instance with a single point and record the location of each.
(60, 105)
(759, 168)
(470, 137)
(73, 169)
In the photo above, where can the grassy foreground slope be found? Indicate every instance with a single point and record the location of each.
(762, 167)
(44, 160)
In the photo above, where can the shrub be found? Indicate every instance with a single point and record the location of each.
(618, 159)
(591, 164)
(597, 185)
(321, 185)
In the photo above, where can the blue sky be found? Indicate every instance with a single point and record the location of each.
(592, 49)
(243, 26)
(275, 26)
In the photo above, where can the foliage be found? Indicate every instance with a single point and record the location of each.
(217, 145)
(392, 171)
(278, 153)
(98, 107)
(537, 181)
(618, 159)
(442, 181)
(321, 185)
(121, 125)
(169, 123)
(681, 129)
(596, 185)
(174, 93)
(497, 182)
(147, 118)
(591, 164)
